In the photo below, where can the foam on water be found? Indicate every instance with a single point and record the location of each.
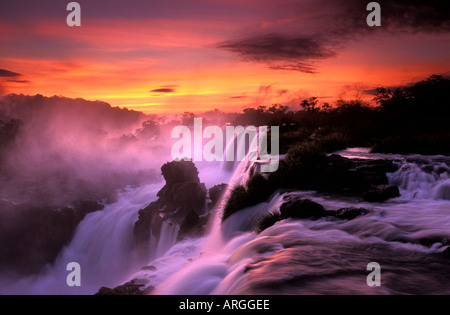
(302, 256)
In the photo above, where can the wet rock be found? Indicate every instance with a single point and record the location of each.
(299, 208)
(382, 193)
(180, 172)
(267, 220)
(350, 213)
(193, 225)
(351, 176)
(181, 201)
(149, 268)
(376, 166)
(296, 207)
(133, 287)
(216, 193)
(32, 237)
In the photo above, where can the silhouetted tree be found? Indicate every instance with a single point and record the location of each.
(187, 119)
(310, 104)
(151, 127)
(326, 106)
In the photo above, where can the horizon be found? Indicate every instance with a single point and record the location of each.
(174, 57)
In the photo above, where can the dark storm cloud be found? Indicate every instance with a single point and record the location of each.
(426, 16)
(329, 25)
(13, 77)
(349, 17)
(301, 67)
(8, 74)
(279, 47)
(272, 48)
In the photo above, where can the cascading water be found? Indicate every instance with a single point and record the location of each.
(168, 237)
(418, 177)
(102, 245)
(292, 257)
(423, 181)
(326, 256)
(209, 247)
(103, 242)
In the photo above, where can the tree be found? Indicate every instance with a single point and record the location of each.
(187, 119)
(278, 109)
(430, 96)
(310, 104)
(326, 106)
(151, 127)
(347, 104)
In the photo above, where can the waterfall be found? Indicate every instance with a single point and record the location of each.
(240, 176)
(203, 276)
(423, 180)
(418, 176)
(233, 259)
(102, 245)
(322, 249)
(167, 238)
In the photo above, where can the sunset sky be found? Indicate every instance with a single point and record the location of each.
(173, 56)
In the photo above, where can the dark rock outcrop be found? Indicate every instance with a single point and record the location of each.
(309, 169)
(149, 268)
(216, 193)
(350, 213)
(133, 287)
(352, 176)
(193, 225)
(181, 201)
(31, 237)
(299, 208)
(295, 207)
(382, 193)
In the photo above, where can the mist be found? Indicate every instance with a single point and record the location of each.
(61, 159)
(63, 149)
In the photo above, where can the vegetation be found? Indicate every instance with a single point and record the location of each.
(412, 119)
(237, 201)
(258, 189)
(267, 220)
